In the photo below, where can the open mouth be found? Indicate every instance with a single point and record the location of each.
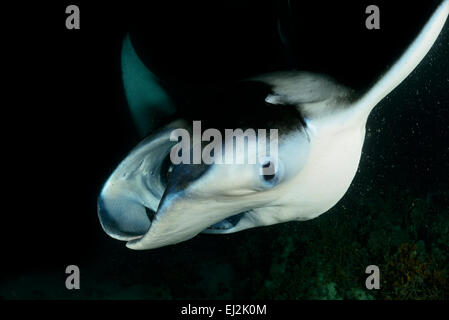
(226, 224)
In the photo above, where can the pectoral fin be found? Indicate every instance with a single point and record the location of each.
(147, 100)
(409, 60)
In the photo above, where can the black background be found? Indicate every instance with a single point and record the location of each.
(67, 123)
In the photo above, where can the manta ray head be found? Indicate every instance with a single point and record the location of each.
(151, 202)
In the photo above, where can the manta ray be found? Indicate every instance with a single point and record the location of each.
(149, 202)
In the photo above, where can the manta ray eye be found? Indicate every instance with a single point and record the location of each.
(268, 171)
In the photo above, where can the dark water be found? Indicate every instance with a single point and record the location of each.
(395, 214)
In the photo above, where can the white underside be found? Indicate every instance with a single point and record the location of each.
(334, 155)
(334, 159)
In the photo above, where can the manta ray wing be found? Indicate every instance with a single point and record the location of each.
(147, 100)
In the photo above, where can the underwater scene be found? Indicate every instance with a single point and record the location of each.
(350, 202)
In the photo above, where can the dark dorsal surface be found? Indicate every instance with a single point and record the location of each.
(240, 105)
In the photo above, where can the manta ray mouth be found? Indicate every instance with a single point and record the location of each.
(226, 224)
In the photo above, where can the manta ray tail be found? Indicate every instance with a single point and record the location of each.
(147, 100)
(407, 62)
